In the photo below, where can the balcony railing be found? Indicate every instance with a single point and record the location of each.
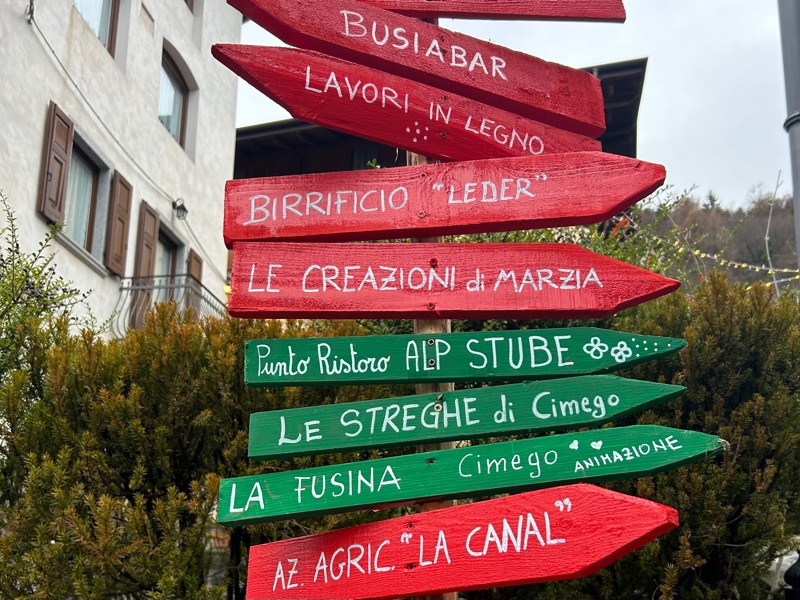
(138, 294)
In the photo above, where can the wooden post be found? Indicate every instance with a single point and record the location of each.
(432, 326)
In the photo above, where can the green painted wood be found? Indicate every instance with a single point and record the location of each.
(459, 357)
(532, 407)
(589, 456)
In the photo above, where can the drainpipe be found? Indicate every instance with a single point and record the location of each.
(789, 12)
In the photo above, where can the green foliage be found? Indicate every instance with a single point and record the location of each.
(711, 202)
(30, 289)
(738, 512)
(110, 468)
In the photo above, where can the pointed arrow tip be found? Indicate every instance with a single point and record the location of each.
(232, 50)
(223, 52)
(673, 284)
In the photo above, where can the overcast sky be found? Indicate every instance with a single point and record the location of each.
(713, 104)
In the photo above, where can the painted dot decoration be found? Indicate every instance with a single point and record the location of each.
(416, 132)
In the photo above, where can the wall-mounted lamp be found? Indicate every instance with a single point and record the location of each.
(180, 209)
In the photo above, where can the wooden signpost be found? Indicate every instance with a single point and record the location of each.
(523, 408)
(413, 116)
(533, 281)
(502, 194)
(597, 455)
(450, 61)
(558, 533)
(457, 357)
(565, 10)
(525, 125)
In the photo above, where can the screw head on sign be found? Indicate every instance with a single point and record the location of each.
(431, 305)
(434, 263)
(431, 362)
(443, 135)
(421, 214)
(430, 342)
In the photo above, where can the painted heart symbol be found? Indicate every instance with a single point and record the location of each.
(597, 445)
(574, 445)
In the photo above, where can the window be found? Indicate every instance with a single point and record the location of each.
(156, 277)
(81, 200)
(172, 99)
(101, 15)
(164, 268)
(74, 188)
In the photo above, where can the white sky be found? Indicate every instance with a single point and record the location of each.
(713, 104)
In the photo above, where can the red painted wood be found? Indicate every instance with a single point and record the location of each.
(566, 98)
(580, 529)
(501, 194)
(284, 280)
(566, 10)
(390, 109)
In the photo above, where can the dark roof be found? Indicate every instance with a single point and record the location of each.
(622, 85)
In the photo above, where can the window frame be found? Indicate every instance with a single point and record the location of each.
(172, 247)
(77, 151)
(106, 245)
(113, 23)
(179, 82)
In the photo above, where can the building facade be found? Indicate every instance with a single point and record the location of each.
(120, 124)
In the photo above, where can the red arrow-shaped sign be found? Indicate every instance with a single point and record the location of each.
(567, 10)
(557, 533)
(566, 98)
(500, 194)
(534, 281)
(390, 109)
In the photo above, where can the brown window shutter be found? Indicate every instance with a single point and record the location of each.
(146, 240)
(119, 217)
(55, 168)
(194, 266)
(144, 264)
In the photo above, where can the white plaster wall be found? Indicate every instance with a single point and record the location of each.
(113, 102)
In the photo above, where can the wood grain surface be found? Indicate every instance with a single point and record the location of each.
(392, 110)
(523, 408)
(560, 96)
(561, 10)
(533, 281)
(559, 533)
(460, 357)
(501, 194)
(608, 454)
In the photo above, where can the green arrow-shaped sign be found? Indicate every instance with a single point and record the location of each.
(532, 407)
(464, 357)
(598, 455)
